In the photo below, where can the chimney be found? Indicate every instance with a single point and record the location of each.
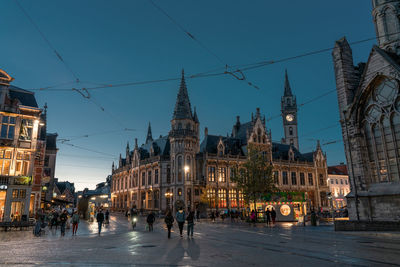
(205, 132)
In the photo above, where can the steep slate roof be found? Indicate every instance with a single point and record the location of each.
(281, 151)
(242, 132)
(338, 169)
(161, 147)
(51, 141)
(26, 98)
(232, 145)
(183, 109)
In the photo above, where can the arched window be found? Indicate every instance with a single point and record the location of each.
(259, 135)
(381, 130)
(188, 168)
(290, 131)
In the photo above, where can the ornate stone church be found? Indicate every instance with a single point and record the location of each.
(369, 106)
(177, 170)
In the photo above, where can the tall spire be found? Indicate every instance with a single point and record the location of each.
(288, 90)
(195, 118)
(149, 137)
(182, 107)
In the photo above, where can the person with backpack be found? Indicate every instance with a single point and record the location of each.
(190, 220)
(180, 218)
(150, 220)
(75, 222)
(169, 221)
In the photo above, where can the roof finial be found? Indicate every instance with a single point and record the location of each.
(288, 90)
(149, 137)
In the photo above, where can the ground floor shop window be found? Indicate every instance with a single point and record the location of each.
(222, 198)
(17, 208)
(233, 198)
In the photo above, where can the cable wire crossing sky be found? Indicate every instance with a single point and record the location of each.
(107, 70)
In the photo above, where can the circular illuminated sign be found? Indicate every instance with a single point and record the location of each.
(285, 210)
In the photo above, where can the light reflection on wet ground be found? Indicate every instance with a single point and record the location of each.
(213, 244)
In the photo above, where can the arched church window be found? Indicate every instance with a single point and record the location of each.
(259, 135)
(382, 131)
(188, 168)
(290, 131)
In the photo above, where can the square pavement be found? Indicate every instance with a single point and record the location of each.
(213, 244)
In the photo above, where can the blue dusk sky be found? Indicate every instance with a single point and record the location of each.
(121, 41)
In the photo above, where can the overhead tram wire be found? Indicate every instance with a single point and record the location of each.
(47, 41)
(214, 72)
(241, 77)
(64, 142)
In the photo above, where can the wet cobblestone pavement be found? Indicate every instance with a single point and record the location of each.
(214, 244)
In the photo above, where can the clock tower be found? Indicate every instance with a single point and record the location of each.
(289, 115)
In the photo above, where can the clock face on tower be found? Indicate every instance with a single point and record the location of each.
(289, 117)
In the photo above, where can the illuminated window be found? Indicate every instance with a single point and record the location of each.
(222, 174)
(211, 174)
(222, 198)
(241, 199)
(7, 127)
(211, 195)
(233, 198)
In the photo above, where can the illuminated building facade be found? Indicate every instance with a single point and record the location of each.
(177, 170)
(339, 185)
(20, 144)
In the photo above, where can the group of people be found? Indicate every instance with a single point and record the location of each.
(270, 216)
(180, 219)
(56, 218)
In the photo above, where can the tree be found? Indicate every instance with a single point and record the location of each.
(254, 178)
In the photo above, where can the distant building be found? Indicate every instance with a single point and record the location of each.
(175, 170)
(339, 185)
(63, 193)
(89, 200)
(21, 146)
(369, 107)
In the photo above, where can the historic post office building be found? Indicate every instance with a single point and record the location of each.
(179, 170)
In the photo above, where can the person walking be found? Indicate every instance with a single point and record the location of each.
(273, 215)
(268, 215)
(213, 216)
(54, 220)
(180, 218)
(169, 221)
(75, 222)
(150, 220)
(253, 217)
(190, 221)
(107, 217)
(63, 221)
(100, 219)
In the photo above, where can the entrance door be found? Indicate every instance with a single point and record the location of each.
(17, 208)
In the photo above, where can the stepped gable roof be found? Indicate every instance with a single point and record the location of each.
(338, 170)
(232, 145)
(281, 151)
(25, 97)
